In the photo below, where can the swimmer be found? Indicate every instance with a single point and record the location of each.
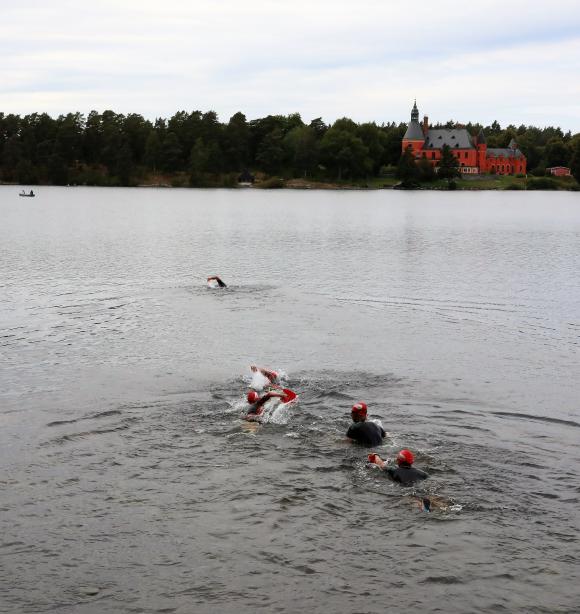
(431, 503)
(404, 473)
(361, 431)
(216, 279)
(273, 376)
(257, 402)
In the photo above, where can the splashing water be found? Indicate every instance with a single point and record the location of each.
(259, 381)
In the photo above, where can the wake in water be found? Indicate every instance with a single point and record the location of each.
(321, 423)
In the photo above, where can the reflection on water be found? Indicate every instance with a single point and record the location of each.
(131, 484)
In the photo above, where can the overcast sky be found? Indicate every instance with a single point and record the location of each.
(517, 61)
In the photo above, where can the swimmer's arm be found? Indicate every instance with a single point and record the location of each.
(380, 463)
(220, 283)
(271, 395)
(267, 397)
(265, 372)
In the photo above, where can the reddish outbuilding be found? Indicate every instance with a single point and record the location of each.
(559, 171)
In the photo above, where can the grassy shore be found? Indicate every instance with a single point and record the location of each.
(484, 182)
(490, 182)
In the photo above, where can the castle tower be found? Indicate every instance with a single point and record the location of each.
(414, 136)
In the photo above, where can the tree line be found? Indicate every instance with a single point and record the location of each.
(197, 149)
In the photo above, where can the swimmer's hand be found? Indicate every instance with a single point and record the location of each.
(375, 459)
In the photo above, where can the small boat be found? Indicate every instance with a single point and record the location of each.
(30, 194)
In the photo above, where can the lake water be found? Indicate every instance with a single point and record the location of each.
(129, 482)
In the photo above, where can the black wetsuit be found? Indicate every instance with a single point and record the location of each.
(367, 433)
(406, 475)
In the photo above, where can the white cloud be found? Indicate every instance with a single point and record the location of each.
(516, 62)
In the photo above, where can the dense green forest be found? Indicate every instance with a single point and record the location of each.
(197, 149)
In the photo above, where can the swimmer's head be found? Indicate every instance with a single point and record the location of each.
(359, 411)
(252, 397)
(405, 458)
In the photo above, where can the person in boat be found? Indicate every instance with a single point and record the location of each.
(216, 278)
(404, 473)
(257, 402)
(361, 431)
(31, 193)
(273, 376)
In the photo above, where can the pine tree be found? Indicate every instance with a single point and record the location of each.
(575, 162)
(407, 168)
(448, 166)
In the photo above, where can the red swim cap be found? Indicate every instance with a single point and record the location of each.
(405, 456)
(360, 409)
(253, 396)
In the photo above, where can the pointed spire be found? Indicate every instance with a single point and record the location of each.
(513, 144)
(414, 130)
(481, 138)
(415, 113)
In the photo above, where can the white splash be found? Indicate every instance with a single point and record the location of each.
(276, 412)
(259, 381)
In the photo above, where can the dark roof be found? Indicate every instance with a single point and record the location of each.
(456, 138)
(481, 140)
(505, 152)
(414, 132)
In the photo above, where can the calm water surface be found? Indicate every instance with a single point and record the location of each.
(129, 484)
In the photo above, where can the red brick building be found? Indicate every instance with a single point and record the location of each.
(471, 151)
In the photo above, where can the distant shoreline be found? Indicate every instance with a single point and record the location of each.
(484, 183)
(319, 188)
